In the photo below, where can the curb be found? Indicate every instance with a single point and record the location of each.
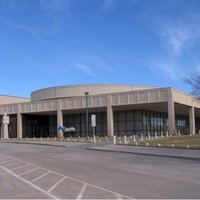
(54, 145)
(144, 154)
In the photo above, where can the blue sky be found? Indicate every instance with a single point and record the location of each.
(46, 43)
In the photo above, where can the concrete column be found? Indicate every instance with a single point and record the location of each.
(59, 118)
(110, 123)
(171, 112)
(5, 122)
(192, 120)
(19, 125)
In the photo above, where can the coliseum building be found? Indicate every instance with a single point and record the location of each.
(119, 109)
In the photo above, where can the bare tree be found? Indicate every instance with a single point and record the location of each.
(194, 81)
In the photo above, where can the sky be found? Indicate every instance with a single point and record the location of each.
(46, 43)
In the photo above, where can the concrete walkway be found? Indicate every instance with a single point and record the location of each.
(109, 147)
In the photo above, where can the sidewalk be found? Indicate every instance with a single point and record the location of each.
(150, 151)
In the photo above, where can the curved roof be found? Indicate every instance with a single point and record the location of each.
(79, 90)
(5, 99)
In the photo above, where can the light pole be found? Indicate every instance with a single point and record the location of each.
(86, 120)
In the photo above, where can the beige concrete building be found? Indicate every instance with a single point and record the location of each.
(119, 109)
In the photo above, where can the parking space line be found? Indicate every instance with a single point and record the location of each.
(74, 179)
(12, 164)
(54, 186)
(20, 167)
(82, 191)
(29, 171)
(29, 183)
(6, 161)
(40, 176)
(119, 196)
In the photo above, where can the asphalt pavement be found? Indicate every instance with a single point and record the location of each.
(110, 147)
(71, 171)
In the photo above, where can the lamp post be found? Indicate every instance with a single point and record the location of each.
(86, 120)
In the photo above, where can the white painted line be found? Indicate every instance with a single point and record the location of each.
(40, 177)
(6, 161)
(5, 158)
(119, 196)
(81, 192)
(29, 171)
(20, 167)
(80, 181)
(12, 164)
(29, 183)
(54, 186)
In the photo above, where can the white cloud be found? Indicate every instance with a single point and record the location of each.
(169, 69)
(85, 69)
(35, 32)
(88, 71)
(180, 35)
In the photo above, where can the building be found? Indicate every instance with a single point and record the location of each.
(119, 109)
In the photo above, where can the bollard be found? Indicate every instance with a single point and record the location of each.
(199, 132)
(125, 139)
(134, 140)
(142, 137)
(114, 139)
(149, 136)
(156, 136)
(167, 133)
(161, 134)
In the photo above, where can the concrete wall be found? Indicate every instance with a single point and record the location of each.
(79, 90)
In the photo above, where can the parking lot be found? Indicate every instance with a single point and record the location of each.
(46, 172)
(47, 183)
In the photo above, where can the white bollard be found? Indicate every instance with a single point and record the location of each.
(125, 139)
(156, 136)
(114, 139)
(161, 134)
(149, 136)
(142, 137)
(134, 138)
(167, 133)
(199, 132)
